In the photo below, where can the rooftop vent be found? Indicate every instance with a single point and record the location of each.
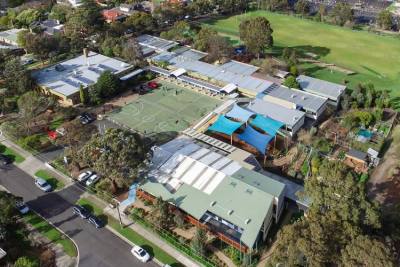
(230, 212)
(304, 98)
(212, 204)
(249, 191)
(247, 221)
(293, 96)
(295, 118)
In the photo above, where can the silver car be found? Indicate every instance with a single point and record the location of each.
(43, 184)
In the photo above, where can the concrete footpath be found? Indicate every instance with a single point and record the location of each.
(32, 164)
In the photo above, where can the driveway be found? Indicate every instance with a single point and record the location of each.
(97, 247)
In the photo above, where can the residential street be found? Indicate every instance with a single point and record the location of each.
(97, 247)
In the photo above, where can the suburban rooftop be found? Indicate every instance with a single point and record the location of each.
(66, 77)
(320, 87)
(197, 180)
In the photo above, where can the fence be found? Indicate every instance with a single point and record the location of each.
(171, 239)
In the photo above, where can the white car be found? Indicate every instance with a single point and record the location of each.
(43, 185)
(92, 180)
(140, 254)
(84, 176)
(22, 208)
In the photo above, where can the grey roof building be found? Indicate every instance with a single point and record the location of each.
(64, 79)
(332, 91)
(10, 36)
(311, 104)
(155, 43)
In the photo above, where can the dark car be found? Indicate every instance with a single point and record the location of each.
(80, 211)
(5, 160)
(86, 118)
(95, 221)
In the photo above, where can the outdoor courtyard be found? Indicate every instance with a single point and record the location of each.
(169, 108)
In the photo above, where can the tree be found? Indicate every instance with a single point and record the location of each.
(17, 78)
(26, 17)
(203, 37)
(42, 45)
(132, 52)
(161, 213)
(302, 7)
(256, 34)
(322, 12)
(82, 94)
(8, 214)
(83, 21)
(274, 5)
(26, 262)
(107, 85)
(30, 105)
(291, 82)
(268, 66)
(385, 19)
(116, 155)
(60, 13)
(21, 38)
(181, 31)
(368, 252)
(111, 47)
(141, 22)
(219, 48)
(342, 13)
(199, 241)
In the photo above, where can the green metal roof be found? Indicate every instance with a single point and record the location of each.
(247, 201)
(260, 181)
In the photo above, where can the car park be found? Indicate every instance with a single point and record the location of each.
(140, 253)
(84, 176)
(5, 160)
(95, 221)
(22, 208)
(43, 184)
(92, 180)
(80, 211)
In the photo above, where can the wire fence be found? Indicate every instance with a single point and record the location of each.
(173, 240)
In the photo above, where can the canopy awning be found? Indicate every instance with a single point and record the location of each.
(239, 113)
(256, 139)
(229, 88)
(225, 125)
(130, 75)
(267, 124)
(178, 72)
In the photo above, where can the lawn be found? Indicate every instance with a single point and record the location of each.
(17, 158)
(51, 233)
(54, 182)
(170, 108)
(131, 235)
(373, 57)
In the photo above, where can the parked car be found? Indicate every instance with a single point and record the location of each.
(153, 85)
(140, 254)
(84, 176)
(80, 211)
(92, 180)
(22, 208)
(86, 118)
(5, 160)
(95, 221)
(43, 184)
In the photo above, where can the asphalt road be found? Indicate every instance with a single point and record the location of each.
(97, 247)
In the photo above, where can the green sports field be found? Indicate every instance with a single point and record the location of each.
(375, 58)
(170, 108)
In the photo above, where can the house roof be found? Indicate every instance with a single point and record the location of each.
(10, 35)
(66, 77)
(209, 181)
(299, 98)
(354, 153)
(156, 42)
(320, 87)
(289, 117)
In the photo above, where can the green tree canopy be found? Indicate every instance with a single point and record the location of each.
(116, 155)
(256, 34)
(107, 85)
(141, 22)
(17, 78)
(60, 12)
(26, 17)
(342, 13)
(385, 19)
(291, 82)
(26, 262)
(8, 213)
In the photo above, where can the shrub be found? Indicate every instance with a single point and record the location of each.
(31, 142)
